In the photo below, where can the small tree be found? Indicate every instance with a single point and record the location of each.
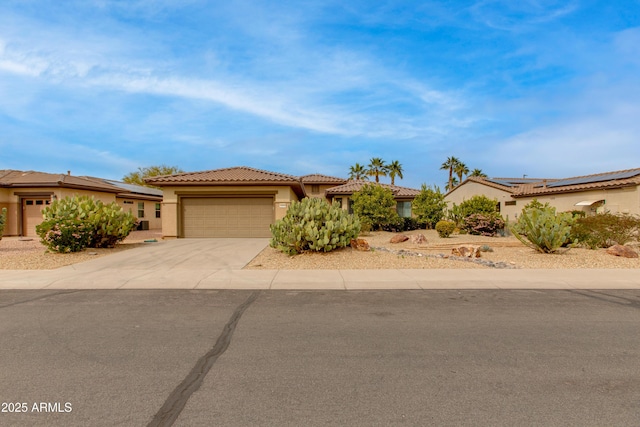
(375, 204)
(429, 206)
(479, 204)
(138, 177)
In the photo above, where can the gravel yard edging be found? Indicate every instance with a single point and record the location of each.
(485, 262)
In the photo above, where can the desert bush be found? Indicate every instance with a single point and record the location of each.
(314, 225)
(3, 221)
(375, 204)
(429, 206)
(606, 229)
(74, 223)
(543, 229)
(402, 224)
(483, 224)
(445, 228)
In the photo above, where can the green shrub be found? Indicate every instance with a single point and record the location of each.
(429, 206)
(402, 224)
(74, 223)
(376, 205)
(606, 229)
(542, 229)
(445, 228)
(483, 224)
(478, 205)
(3, 221)
(314, 225)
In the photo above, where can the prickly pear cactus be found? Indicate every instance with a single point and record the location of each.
(314, 225)
(74, 223)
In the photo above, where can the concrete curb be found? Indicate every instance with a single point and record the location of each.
(193, 278)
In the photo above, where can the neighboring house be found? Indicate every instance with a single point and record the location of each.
(616, 192)
(244, 202)
(26, 193)
(316, 185)
(402, 195)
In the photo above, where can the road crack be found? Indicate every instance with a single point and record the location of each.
(178, 398)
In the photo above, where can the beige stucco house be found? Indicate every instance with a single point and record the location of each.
(26, 193)
(616, 192)
(244, 202)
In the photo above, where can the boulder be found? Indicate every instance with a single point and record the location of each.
(399, 238)
(466, 251)
(623, 251)
(418, 239)
(360, 244)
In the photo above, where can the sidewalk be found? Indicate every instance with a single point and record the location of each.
(193, 278)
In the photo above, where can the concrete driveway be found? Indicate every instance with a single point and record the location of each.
(181, 254)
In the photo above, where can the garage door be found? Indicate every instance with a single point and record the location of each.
(227, 216)
(32, 214)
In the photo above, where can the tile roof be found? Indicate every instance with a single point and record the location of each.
(605, 180)
(22, 179)
(352, 186)
(317, 178)
(234, 175)
(533, 187)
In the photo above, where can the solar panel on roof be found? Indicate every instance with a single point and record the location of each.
(592, 179)
(496, 181)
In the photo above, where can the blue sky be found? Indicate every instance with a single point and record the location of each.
(538, 87)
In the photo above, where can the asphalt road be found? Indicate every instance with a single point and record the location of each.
(292, 358)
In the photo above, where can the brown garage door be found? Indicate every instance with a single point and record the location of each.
(227, 216)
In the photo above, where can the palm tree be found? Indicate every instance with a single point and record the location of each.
(358, 172)
(450, 164)
(395, 169)
(461, 169)
(377, 168)
(478, 172)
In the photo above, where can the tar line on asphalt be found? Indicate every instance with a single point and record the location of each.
(39, 297)
(178, 398)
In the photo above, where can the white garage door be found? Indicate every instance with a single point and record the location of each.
(227, 216)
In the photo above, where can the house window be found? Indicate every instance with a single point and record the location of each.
(315, 188)
(157, 210)
(339, 201)
(350, 206)
(510, 203)
(404, 209)
(29, 202)
(140, 209)
(39, 202)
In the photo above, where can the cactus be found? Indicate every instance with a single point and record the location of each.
(74, 223)
(445, 228)
(540, 228)
(314, 225)
(3, 221)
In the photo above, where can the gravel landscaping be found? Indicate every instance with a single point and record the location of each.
(28, 254)
(507, 252)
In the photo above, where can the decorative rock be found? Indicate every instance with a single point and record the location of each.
(399, 238)
(418, 239)
(466, 251)
(623, 251)
(360, 244)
